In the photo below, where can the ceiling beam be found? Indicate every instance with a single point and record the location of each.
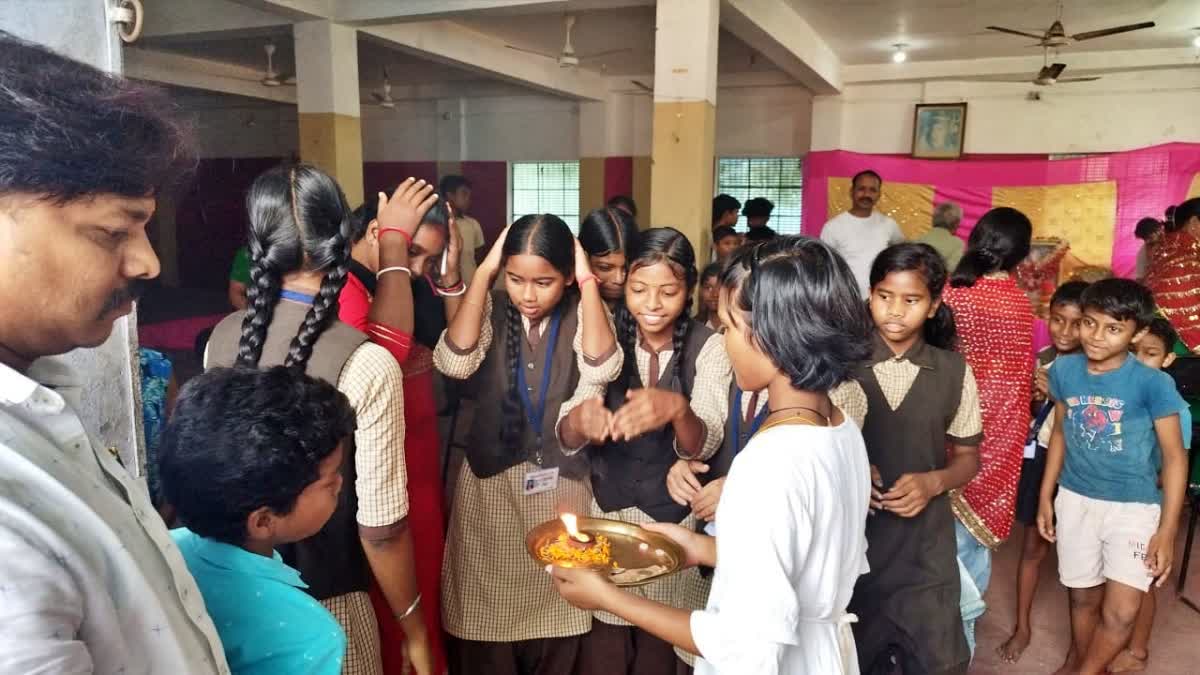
(188, 71)
(450, 43)
(774, 29)
(179, 18)
(1099, 62)
(364, 12)
(295, 10)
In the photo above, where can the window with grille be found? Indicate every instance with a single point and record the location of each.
(779, 179)
(546, 187)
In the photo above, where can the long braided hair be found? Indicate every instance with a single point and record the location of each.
(658, 245)
(546, 236)
(299, 220)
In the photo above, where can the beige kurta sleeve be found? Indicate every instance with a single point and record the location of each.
(374, 384)
(967, 424)
(710, 395)
(850, 398)
(458, 363)
(594, 376)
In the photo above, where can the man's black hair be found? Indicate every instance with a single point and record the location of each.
(1122, 299)
(1146, 227)
(68, 130)
(866, 172)
(451, 183)
(722, 232)
(240, 439)
(1070, 293)
(623, 202)
(759, 207)
(722, 204)
(1163, 330)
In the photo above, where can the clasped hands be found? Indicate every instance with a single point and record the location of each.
(644, 410)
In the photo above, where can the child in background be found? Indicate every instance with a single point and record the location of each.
(710, 289)
(726, 240)
(1117, 423)
(790, 538)
(1153, 350)
(1065, 314)
(269, 446)
(921, 398)
(529, 354)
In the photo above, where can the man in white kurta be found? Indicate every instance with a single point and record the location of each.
(859, 234)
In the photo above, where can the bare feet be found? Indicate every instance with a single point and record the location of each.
(1010, 651)
(1070, 666)
(1128, 662)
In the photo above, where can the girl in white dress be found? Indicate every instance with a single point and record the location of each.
(793, 513)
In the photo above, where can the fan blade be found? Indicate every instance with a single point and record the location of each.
(1112, 31)
(1053, 70)
(1078, 79)
(378, 97)
(610, 52)
(643, 86)
(1011, 31)
(532, 51)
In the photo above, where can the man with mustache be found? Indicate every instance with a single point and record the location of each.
(90, 581)
(862, 232)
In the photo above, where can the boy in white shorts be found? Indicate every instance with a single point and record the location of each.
(1116, 425)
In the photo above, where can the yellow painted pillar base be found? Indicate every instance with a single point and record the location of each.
(681, 180)
(333, 143)
(641, 188)
(591, 184)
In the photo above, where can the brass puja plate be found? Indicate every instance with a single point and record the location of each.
(641, 556)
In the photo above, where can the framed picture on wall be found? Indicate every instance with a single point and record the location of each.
(938, 130)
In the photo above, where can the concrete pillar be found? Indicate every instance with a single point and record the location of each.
(327, 98)
(112, 410)
(685, 97)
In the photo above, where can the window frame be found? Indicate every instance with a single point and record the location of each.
(783, 223)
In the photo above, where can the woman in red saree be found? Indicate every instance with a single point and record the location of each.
(408, 328)
(995, 332)
(1174, 273)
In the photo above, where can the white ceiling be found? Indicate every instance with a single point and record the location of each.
(863, 31)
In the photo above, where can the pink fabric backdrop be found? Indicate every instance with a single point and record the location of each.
(1148, 180)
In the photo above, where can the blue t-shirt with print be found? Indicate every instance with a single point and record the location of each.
(1112, 448)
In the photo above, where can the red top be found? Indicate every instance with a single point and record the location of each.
(995, 335)
(1174, 277)
(354, 306)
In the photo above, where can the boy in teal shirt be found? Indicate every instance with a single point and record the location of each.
(1116, 423)
(250, 460)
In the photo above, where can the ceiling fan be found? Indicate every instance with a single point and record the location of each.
(1050, 74)
(271, 78)
(1056, 35)
(567, 58)
(384, 96)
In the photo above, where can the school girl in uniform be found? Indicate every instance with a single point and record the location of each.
(607, 236)
(668, 403)
(921, 399)
(790, 530)
(528, 354)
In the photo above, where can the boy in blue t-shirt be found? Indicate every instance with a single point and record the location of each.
(251, 459)
(1154, 350)
(1117, 423)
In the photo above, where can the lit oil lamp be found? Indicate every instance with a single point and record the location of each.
(575, 538)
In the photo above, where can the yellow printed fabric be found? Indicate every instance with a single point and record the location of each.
(1083, 214)
(909, 204)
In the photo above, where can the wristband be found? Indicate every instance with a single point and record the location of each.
(454, 292)
(407, 236)
(395, 268)
(411, 608)
(580, 282)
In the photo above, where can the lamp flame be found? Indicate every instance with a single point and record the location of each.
(572, 525)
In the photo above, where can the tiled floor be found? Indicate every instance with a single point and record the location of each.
(1174, 644)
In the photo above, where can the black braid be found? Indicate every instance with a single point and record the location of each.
(261, 297)
(324, 308)
(678, 344)
(514, 418)
(627, 332)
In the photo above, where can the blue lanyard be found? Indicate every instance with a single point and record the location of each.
(535, 415)
(1038, 421)
(737, 420)
(297, 297)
